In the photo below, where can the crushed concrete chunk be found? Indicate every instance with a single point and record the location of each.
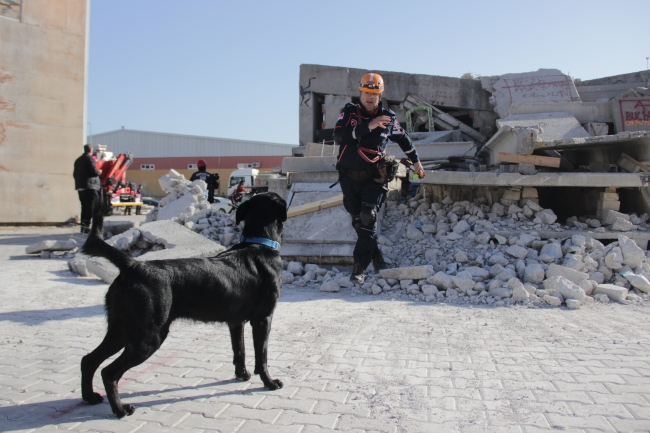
(613, 292)
(414, 272)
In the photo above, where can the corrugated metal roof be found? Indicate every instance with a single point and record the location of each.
(144, 144)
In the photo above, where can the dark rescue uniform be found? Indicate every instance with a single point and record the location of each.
(358, 148)
(211, 180)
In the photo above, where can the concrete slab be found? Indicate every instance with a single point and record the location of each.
(635, 144)
(117, 227)
(543, 86)
(332, 225)
(536, 180)
(434, 151)
(52, 245)
(585, 112)
(434, 137)
(179, 241)
(309, 164)
(173, 235)
(321, 149)
(521, 133)
(596, 129)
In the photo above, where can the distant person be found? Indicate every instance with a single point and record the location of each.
(87, 184)
(238, 193)
(127, 209)
(139, 191)
(212, 180)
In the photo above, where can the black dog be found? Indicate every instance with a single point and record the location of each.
(239, 285)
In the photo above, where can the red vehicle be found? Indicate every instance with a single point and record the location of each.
(115, 189)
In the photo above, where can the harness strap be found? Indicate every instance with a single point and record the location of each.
(363, 150)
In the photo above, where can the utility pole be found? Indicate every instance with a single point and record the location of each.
(646, 63)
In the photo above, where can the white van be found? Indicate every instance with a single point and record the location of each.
(253, 180)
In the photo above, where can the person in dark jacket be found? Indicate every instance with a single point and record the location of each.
(87, 184)
(362, 133)
(212, 180)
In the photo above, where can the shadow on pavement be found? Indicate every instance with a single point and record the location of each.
(36, 317)
(69, 410)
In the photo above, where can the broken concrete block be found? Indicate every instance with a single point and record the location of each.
(117, 227)
(414, 273)
(51, 245)
(544, 86)
(622, 225)
(296, 268)
(596, 129)
(546, 216)
(573, 304)
(527, 169)
(568, 273)
(633, 256)
(613, 292)
(441, 280)
(609, 217)
(105, 270)
(638, 281)
(517, 251)
(534, 273)
(125, 240)
(552, 300)
(330, 286)
(523, 133)
(78, 265)
(287, 277)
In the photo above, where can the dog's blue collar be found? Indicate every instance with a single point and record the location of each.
(262, 241)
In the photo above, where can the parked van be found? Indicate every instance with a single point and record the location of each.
(252, 178)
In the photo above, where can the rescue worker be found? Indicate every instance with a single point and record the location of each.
(212, 180)
(238, 193)
(362, 133)
(87, 184)
(138, 209)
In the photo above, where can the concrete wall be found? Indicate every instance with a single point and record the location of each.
(331, 80)
(42, 109)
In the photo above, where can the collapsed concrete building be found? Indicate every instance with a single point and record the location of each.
(579, 148)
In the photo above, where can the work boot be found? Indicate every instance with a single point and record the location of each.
(85, 230)
(357, 276)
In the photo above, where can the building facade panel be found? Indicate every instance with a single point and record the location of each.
(42, 112)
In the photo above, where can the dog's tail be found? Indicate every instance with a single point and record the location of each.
(95, 245)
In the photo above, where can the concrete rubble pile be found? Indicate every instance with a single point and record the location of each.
(444, 251)
(186, 204)
(184, 225)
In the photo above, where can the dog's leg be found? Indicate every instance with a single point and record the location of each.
(239, 350)
(135, 353)
(113, 342)
(261, 331)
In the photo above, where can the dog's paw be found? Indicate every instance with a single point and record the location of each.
(94, 398)
(243, 375)
(127, 409)
(274, 384)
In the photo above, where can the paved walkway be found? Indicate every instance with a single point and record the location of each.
(354, 364)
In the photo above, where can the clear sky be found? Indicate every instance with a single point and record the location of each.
(230, 68)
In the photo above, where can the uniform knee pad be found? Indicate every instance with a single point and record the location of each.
(368, 216)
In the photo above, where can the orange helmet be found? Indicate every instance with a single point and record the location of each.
(372, 83)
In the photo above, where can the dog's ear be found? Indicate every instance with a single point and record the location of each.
(282, 209)
(242, 211)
